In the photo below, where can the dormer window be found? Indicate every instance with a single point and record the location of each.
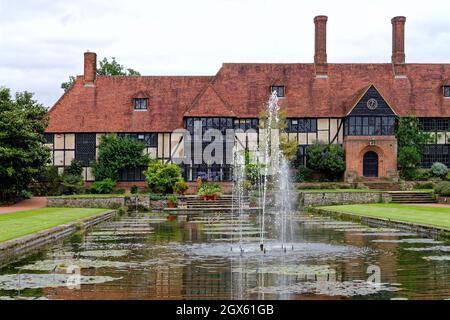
(140, 104)
(447, 91)
(280, 90)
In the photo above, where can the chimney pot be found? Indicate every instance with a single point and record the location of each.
(398, 46)
(90, 68)
(320, 56)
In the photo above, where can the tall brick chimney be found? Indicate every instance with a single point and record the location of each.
(90, 68)
(320, 56)
(398, 46)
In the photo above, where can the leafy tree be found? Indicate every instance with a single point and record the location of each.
(47, 183)
(327, 159)
(116, 154)
(22, 152)
(72, 179)
(162, 177)
(66, 85)
(411, 141)
(288, 147)
(114, 68)
(106, 68)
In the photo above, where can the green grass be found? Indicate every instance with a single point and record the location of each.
(19, 224)
(425, 215)
(338, 190)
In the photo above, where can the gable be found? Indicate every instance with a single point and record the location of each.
(371, 103)
(209, 103)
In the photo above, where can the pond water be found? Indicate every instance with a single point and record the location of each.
(149, 256)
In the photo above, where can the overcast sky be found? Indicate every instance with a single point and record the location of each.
(42, 41)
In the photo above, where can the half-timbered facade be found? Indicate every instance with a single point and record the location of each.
(354, 105)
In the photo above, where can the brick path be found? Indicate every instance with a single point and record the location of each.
(34, 203)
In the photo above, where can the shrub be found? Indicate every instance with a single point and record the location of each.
(327, 159)
(105, 186)
(134, 189)
(303, 174)
(162, 178)
(439, 170)
(442, 188)
(71, 184)
(181, 187)
(26, 194)
(72, 180)
(156, 197)
(410, 174)
(425, 185)
(47, 183)
(116, 154)
(208, 189)
(75, 168)
(119, 191)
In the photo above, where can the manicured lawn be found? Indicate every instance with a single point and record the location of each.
(18, 224)
(426, 215)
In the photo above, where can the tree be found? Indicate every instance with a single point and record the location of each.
(72, 179)
(66, 85)
(162, 177)
(287, 147)
(114, 68)
(22, 152)
(116, 154)
(106, 68)
(411, 141)
(327, 159)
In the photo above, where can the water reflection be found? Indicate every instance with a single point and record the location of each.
(146, 256)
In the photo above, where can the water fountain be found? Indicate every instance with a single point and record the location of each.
(276, 196)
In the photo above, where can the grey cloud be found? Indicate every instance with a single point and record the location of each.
(42, 41)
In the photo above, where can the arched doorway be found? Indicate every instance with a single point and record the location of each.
(370, 164)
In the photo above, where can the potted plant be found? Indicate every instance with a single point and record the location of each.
(253, 201)
(181, 187)
(209, 192)
(172, 201)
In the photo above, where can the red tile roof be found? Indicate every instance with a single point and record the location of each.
(241, 90)
(108, 106)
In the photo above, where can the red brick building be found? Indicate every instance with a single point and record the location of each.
(354, 105)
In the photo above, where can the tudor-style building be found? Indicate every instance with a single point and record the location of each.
(354, 105)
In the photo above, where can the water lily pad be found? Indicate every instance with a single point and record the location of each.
(437, 258)
(35, 281)
(63, 264)
(92, 253)
(329, 288)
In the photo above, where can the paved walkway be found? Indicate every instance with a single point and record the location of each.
(34, 203)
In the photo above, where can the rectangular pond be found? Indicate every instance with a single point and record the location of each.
(218, 256)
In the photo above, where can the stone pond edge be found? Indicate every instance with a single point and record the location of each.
(423, 230)
(16, 249)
